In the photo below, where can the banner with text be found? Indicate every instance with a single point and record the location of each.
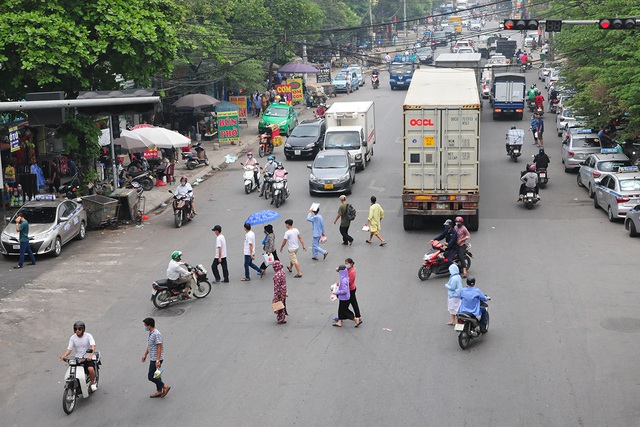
(241, 102)
(285, 92)
(228, 126)
(324, 72)
(296, 89)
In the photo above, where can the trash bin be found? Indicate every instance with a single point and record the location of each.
(128, 203)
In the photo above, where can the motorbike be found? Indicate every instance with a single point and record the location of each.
(542, 177)
(280, 191)
(266, 145)
(553, 106)
(539, 110)
(71, 189)
(181, 209)
(530, 198)
(193, 160)
(468, 326)
(435, 261)
(140, 179)
(375, 82)
(165, 292)
(247, 176)
(515, 151)
(77, 381)
(532, 105)
(523, 68)
(267, 181)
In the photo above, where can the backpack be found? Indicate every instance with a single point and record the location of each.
(350, 212)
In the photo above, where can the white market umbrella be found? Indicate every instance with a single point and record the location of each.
(162, 138)
(132, 142)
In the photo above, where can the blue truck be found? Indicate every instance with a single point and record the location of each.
(508, 95)
(401, 71)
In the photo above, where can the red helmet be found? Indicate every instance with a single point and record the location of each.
(532, 168)
(459, 219)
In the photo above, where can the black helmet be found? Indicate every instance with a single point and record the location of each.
(541, 150)
(513, 127)
(78, 324)
(471, 281)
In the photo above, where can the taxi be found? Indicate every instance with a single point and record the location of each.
(618, 193)
(597, 166)
(578, 146)
(632, 221)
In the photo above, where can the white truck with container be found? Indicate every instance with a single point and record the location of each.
(441, 122)
(351, 126)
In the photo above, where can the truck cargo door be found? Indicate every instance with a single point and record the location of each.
(460, 137)
(421, 150)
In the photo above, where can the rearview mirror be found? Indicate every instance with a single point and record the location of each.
(64, 218)
(352, 165)
(309, 166)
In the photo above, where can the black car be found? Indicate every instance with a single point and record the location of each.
(425, 55)
(306, 139)
(332, 171)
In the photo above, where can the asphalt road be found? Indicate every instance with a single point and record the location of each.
(561, 348)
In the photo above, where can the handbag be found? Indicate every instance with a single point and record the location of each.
(268, 259)
(277, 306)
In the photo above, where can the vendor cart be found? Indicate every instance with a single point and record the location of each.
(330, 90)
(101, 210)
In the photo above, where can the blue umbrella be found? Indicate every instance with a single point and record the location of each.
(262, 217)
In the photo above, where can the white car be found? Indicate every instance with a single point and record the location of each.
(544, 71)
(497, 61)
(618, 193)
(565, 120)
(475, 25)
(597, 166)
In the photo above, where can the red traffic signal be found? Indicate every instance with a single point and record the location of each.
(520, 24)
(617, 24)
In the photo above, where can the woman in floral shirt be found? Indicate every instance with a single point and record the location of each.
(280, 291)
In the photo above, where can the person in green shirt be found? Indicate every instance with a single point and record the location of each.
(22, 227)
(344, 221)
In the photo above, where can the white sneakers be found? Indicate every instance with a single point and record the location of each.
(93, 387)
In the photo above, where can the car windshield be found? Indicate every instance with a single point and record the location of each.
(276, 112)
(39, 215)
(401, 68)
(342, 140)
(612, 165)
(630, 184)
(586, 142)
(424, 51)
(330, 162)
(304, 131)
(341, 76)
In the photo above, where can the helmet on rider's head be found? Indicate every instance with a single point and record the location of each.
(184, 178)
(448, 223)
(175, 255)
(513, 127)
(532, 168)
(533, 86)
(271, 158)
(280, 166)
(249, 154)
(541, 150)
(79, 324)
(459, 219)
(471, 281)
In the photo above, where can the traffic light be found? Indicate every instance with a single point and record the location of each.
(553, 25)
(520, 24)
(617, 24)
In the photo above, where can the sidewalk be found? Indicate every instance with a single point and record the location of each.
(159, 198)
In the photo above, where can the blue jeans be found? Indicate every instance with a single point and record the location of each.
(249, 263)
(315, 247)
(157, 381)
(25, 247)
(483, 318)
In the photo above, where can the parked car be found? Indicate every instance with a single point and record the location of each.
(359, 73)
(332, 171)
(340, 81)
(497, 61)
(597, 166)
(565, 119)
(306, 139)
(544, 71)
(562, 101)
(425, 55)
(576, 149)
(52, 223)
(552, 78)
(618, 193)
(632, 221)
(282, 115)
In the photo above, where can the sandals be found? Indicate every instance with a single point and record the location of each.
(383, 243)
(298, 276)
(368, 241)
(244, 279)
(290, 269)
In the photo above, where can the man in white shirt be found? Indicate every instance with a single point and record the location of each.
(293, 239)
(178, 274)
(81, 341)
(185, 189)
(249, 253)
(220, 256)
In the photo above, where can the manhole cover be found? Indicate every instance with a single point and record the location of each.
(169, 312)
(621, 324)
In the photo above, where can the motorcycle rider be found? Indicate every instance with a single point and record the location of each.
(531, 94)
(186, 190)
(529, 180)
(321, 110)
(251, 161)
(269, 168)
(539, 100)
(281, 172)
(541, 159)
(553, 97)
(470, 302)
(178, 274)
(451, 240)
(514, 137)
(81, 341)
(375, 73)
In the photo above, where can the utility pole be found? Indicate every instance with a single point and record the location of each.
(405, 19)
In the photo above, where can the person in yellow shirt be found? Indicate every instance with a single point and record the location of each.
(374, 221)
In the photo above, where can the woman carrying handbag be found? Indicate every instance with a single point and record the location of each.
(269, 246)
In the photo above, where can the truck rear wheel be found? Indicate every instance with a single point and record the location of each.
(473, 221)
(411, 222)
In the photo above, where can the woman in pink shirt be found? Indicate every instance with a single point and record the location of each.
(463, 237)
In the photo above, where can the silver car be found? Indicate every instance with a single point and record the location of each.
(577, 147)
(618, 193)
(597, 166)
(52, 223)
(632, 221)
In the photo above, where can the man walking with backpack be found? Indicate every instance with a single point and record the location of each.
(346, 214)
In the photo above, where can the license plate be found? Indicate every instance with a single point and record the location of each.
(543, 175)
(458, 327)
(328, 186)
(516, 151)
(441, 206)
(16, 246)
(530, 195)
(297, 152)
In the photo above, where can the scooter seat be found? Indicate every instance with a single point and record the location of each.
(467, 315)
(164, 282)
(135, 174)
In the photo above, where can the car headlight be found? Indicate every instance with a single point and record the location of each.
(282, 123)
(40, 236)
(287, 145)
(5, 236)
(344, 177)
(358, 156)
(313, 144)
(313, 178)
(261, 123)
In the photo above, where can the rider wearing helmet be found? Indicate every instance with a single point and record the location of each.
(470, 302)
(186, 190)
(322, 108)
(450, 237)
(541, 159)
(82, 341)
(251, 161)
(178, 274)
(281, 172)
(463, 237)
(529, 182)
(269, 168)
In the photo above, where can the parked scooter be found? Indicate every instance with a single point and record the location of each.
(468, 326)
(199, 158)
(71, 190)
(247, 176)
(436, 262)
(140, 179)
(165, 292)
(77, 382)
(280, 191)
(181, 209)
